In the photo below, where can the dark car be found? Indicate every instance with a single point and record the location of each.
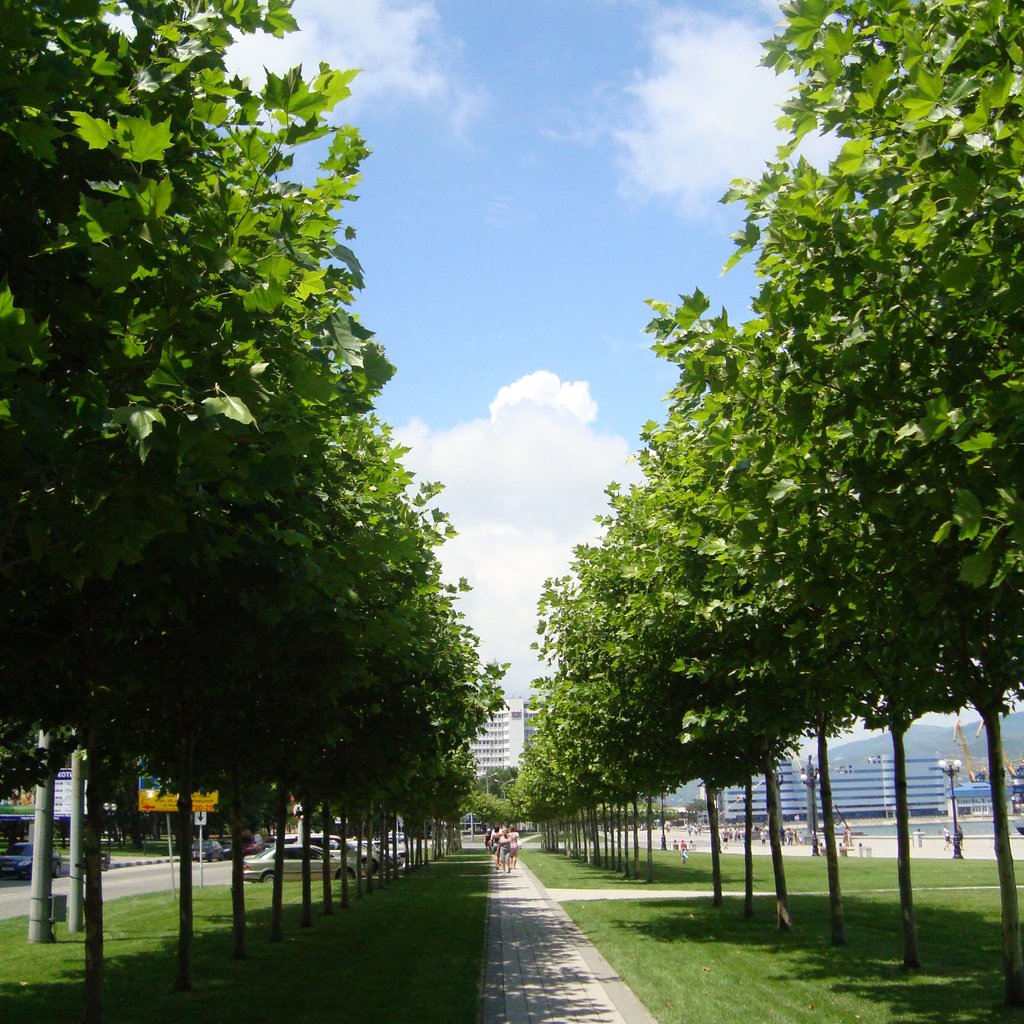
(212, 850)
(17, 861)
(251, 845)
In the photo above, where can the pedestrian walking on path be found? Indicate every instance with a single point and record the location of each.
(541, 969)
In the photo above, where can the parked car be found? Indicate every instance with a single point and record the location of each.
(253, 844)
(260, 867)
(17, 861)
(212, 850)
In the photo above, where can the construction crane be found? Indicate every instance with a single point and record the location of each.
(958, 737)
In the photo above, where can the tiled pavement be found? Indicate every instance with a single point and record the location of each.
(541, 968)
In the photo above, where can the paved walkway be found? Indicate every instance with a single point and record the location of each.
(541, 968)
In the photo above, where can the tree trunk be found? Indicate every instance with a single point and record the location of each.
(607, 836)
(748, 849)
(183, 974)
(650, 839)
(277, 897)
(92, 1010)
(711, 796)
(238, 950)
(307, 868)
(394, 845)
(359, 855)
(344, 856)
(911, 957)
(369, 848)
(775, 837)
(636, 839)
(835, 895)
(327, 877)
(1013, 966)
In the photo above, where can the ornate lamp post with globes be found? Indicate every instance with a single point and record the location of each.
(950, 769)
(111, 809)
(809, 777)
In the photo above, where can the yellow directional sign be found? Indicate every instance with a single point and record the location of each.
(155, 800)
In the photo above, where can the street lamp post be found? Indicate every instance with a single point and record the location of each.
(809, 776)
(110, 808)
(950, 769)
(780, 777)
(664, 845)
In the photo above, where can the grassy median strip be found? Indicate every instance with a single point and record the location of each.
(689, 962)
(410, 952)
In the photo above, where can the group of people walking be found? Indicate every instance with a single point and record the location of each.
(503, 843)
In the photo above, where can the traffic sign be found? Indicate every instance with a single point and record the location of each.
(199, 817)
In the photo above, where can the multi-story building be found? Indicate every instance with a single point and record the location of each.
(859, 790)
(505, 736)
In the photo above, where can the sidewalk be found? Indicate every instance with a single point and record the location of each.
(541, 968)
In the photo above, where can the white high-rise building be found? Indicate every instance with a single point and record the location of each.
(505, 736)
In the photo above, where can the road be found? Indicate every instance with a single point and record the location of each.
(118, 882)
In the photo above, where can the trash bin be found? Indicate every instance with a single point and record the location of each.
(864, 851)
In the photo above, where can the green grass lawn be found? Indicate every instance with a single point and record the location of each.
(690, 962)
(803, 874)
(411, 952)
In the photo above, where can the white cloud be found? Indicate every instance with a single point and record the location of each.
(543, 388)
(398, 44)
(705, 111)
(522, 488)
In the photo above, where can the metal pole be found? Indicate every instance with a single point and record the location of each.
(39, 929)
(810, 776)
(664, 846)
(76, 892)
(958, 853)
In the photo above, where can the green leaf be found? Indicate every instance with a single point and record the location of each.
(264, 298)
(139, 420)
(852, 156)
(967, 513)
(232, 408)
(347, 347)
(976, 569)
(97, 134)
(20, 335)
(141, 140)
(345, 255)
(155, 199)
(781, 489)
(979, 442)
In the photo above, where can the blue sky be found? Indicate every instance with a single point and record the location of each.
(539, 170)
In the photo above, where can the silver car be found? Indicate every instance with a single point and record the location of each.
(260, 866)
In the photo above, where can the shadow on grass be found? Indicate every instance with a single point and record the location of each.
(668, 872)
(960, 981)
(426, 929)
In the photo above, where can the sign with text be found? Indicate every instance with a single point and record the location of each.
(62, 794)
(153, 797)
